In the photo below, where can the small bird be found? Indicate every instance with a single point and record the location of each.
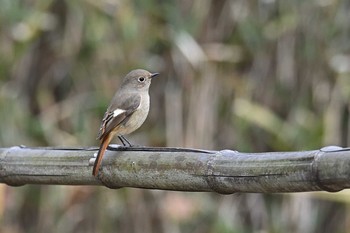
(126, 112)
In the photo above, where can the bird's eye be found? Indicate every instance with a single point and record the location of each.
(141, 79)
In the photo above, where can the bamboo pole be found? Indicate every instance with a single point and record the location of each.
(180, 169)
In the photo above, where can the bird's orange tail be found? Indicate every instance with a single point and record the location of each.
(104, 144)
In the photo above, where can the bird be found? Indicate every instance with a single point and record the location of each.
(126, 112)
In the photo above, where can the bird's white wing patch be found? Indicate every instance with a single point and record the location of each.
(117, 112)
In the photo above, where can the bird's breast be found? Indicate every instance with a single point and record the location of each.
(138, 117)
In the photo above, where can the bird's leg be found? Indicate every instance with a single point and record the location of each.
(127, 141)
(124, 141)
(121, 139)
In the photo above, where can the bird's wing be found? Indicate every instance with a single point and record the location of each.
(115, 116)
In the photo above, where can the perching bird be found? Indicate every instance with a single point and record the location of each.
(126, 112)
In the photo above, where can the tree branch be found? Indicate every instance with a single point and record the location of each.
(180, 169)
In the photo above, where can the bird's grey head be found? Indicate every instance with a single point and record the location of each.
(138, 80)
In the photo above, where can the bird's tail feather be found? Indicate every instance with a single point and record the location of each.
(104, 144)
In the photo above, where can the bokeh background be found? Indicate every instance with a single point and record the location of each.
(252, 76)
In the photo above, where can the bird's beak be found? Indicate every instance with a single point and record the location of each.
(154, 75)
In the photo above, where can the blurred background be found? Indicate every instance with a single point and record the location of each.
(246, 75)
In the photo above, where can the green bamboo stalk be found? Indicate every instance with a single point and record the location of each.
(180, 169)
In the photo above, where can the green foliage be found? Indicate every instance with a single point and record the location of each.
(269, 75)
